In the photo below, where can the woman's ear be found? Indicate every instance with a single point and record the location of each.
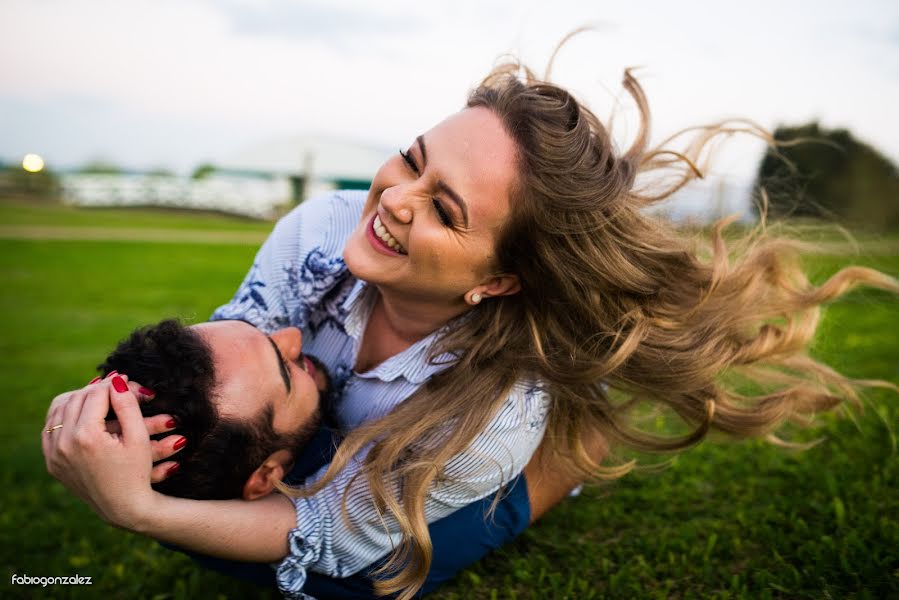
(500, 285)
(261, 482)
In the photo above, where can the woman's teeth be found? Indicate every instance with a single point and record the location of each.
(385, 236)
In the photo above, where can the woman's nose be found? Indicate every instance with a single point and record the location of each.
(397, 201)
(289, 341)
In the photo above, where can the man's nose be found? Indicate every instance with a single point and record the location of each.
(289, 341)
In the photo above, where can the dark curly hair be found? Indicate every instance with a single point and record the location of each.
(176, 363)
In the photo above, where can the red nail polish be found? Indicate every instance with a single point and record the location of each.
(172, 469)
(180, 444)
(146, 391)
(171, 424)
(119, 384)
(111, 373)
(94, 380)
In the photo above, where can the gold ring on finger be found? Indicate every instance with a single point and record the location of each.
(54, 428)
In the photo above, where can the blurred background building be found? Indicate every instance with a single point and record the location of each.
(256, 181)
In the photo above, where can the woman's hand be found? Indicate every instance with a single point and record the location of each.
(109, 465)
(162, 449)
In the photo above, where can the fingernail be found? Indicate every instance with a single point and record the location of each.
(172, 469)
(171, 424)
(180, 444)
(119, 384)
(146, 391)
(111, 373)
(94, 380)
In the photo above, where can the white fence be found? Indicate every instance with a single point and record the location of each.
(249, 196)
(259, 197)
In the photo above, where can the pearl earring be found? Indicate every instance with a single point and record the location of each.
(475, 298)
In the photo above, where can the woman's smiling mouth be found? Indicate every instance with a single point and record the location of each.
(382, 239)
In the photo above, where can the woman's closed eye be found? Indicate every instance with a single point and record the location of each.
(443, 215)
(407, 157)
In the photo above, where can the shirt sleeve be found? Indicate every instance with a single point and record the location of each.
(324, 543)
(297, 265)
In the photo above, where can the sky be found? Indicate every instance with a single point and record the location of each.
(171, 84)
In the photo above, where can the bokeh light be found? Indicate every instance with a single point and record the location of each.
(32, 163)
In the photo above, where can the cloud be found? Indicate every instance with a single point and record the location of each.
(384, 72)
(310, 20)
(71, 130)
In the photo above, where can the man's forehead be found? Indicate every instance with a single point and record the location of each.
(230, 338)
(239, 356)
(234, 324)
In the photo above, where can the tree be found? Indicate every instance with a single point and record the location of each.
(829, 174)
(15, 180)
(203, 171)
(100, 167)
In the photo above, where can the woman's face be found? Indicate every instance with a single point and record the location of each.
(432, 217)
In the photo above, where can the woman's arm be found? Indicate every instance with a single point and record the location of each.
(547, 483)
(112, 472)
(252, 531)
(297, 266)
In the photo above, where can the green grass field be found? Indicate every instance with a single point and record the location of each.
(725, 520)
(22, 212)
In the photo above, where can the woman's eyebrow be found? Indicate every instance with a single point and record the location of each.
(284, 374)
(441, 184)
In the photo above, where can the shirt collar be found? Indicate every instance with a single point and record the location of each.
(357, 306)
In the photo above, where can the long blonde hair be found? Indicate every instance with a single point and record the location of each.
(610, 294)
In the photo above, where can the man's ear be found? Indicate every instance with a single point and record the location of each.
(261, 482)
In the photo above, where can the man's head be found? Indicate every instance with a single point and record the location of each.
(245, 401)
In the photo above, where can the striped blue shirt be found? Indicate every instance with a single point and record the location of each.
(299, 279)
